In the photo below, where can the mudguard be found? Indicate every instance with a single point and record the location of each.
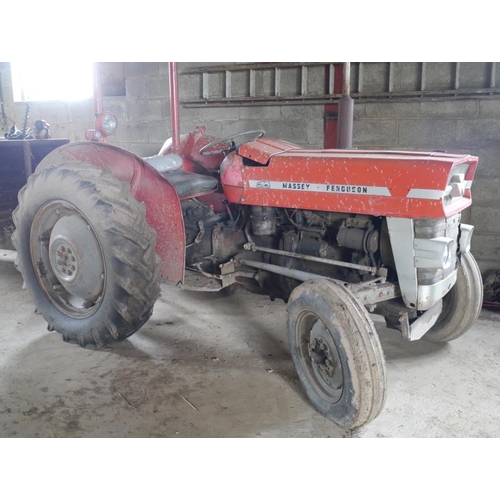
(163, 208)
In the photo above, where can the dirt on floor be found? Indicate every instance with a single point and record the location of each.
(210, 366)
(6, 230)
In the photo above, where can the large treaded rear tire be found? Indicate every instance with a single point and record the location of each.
(461, 305)
(117, 222)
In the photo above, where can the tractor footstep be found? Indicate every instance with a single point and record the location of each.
(194, 281)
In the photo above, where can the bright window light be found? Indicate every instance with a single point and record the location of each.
(51, 80)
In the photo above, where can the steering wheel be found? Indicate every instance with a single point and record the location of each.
(232, 146)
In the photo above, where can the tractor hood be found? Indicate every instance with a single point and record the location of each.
(262, 150)
(407, 184)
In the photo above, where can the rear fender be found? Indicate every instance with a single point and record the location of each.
(163, 208)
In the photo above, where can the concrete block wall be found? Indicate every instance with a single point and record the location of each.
(469, 125)
(144, 112)
(300, 124)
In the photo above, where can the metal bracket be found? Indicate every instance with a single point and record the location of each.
(402, 235)
(227, 271)
(373, 293)
(422, 324)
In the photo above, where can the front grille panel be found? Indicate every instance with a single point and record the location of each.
(434, 228)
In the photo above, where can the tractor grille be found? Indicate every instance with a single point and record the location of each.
(457, 174)
(434, 228)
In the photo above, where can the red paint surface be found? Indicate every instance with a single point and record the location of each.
(332, 110)
(263, 150)
(398, 172)
(190, 145)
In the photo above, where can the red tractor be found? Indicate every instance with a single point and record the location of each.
(336, 234)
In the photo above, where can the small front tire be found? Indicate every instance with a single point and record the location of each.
(337, 353)
(461, 305)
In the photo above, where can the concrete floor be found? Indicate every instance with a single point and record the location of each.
(207, 366)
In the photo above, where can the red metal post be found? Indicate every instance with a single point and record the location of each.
(332, 110)
(174, 108)
(97, 89)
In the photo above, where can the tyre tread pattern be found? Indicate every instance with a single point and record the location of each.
(466, 301)
(367, 354)
(136, 265)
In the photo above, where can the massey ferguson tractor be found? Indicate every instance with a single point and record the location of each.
(336, 234)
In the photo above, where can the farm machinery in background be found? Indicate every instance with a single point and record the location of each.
(337, 234)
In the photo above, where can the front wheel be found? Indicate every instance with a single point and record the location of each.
(337, 353)
(86, 253)
(461, 305)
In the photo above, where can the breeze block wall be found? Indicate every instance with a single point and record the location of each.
(144, 112)
(462, 125)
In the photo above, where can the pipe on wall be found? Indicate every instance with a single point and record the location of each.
(346, 112)
(97, 88)
(174, 107)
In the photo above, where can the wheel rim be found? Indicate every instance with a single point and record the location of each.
(68, 259)
(319, 356)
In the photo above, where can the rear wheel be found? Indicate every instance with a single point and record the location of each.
(86, 253)
(461, 305)
(337, 353)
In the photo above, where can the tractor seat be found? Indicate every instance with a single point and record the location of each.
(187, 184)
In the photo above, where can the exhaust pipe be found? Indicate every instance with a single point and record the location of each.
(174, 107)
(346, 112)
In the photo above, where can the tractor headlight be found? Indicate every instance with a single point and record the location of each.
(434, 253)
(106, 123)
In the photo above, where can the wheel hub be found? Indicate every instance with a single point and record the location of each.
(76, 259)
(66, 266)
(322, 358)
